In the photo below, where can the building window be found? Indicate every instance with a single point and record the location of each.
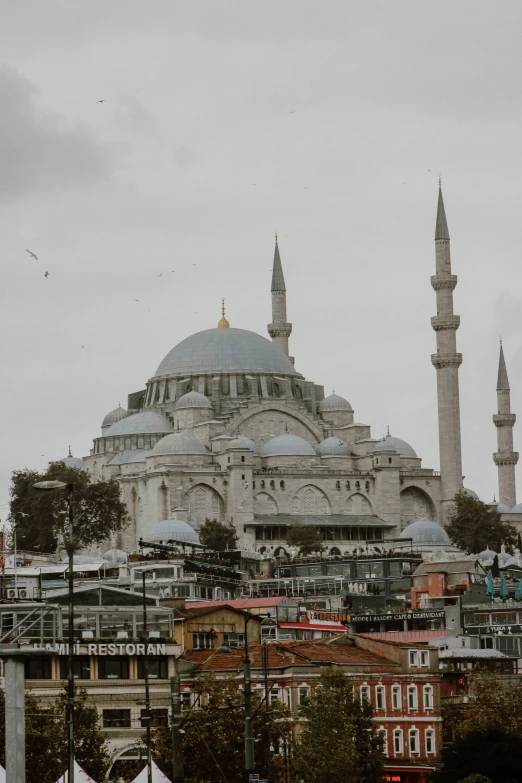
(185, 700)
(430, 741)
(414, 740)
(234, 639)
(414, 657)
(201, 641)
(113, 668)
(428, 697)
(384, 736)
(398, 745)
(116, 719)
(365, 692)
(303, 694)
(81, 668)
(380, 697)
(412, 697)
(275, 695)
(396, 697)
(157, 718)
(157, 667)
(38, 669)
(424, 658)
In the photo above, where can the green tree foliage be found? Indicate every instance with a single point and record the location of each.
(40, 518)
(475, 778)
(473, 526)
(217, 535)
(46, 739)
(214, 739)
(338, 742)
(494, 753)
(306, 537)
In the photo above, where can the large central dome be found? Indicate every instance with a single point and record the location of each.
(225, 351)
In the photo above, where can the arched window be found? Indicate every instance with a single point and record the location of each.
(412, 697)
(348, 486)
(414, 740)
(262, 484)
(272, 484)
(295, 505)
(357, 485)
(338, 485)
(428, 697)
(429, 738)
(380, 697)
(281, 485)
(398, 742)
(396, 697)
(367, 486)
(309, 502)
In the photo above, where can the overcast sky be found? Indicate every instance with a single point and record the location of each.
(223, 121)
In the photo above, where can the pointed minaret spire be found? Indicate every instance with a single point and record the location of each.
(70, 453)
(502, 380)
(446, 362)
(279, 330)
(441, 226)
(505, 458)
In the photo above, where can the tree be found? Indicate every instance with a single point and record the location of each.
(306, 537)
(46, 739)
(495, 754)
(40, 518)
(217, 535)
(475, 778)
(338, 742)
(214, 739)
(473, 526)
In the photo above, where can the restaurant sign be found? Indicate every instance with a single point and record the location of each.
(390, 618)
(104, 649)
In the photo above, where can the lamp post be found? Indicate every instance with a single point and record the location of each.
(51, 486)
(249, 736)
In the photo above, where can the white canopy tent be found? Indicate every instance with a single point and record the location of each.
(157, 775)
(80, 776)
(2, 774)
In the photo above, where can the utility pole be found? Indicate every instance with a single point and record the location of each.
(146, 677)
(178, 774)
(249, 738)
(267, 730)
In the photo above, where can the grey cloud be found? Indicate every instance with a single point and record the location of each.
(36, 153)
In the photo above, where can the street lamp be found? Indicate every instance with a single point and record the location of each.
(52, 486)
(249, 737)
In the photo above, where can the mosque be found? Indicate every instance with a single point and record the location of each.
(227, 428)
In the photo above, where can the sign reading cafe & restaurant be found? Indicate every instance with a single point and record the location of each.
(104, 649)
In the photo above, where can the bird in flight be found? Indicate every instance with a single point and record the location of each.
(291, 112)
(102, 101)
(32, 254)
(47, 274)
(136, 300)
(160, 274)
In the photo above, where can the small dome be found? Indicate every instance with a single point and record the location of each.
(501, 507)
(114, 416)
(129, 456)
(334, 403)
(487, 555)
(516, 509)
(193, 399)
(424, 531)
(72, 462)
(395, 444)
(333, 447)
(116, 556)
(178, 443)
(287, 445)
(470, 493)
(173, 530)
(241, 442)
(509, 562)
(139, 424)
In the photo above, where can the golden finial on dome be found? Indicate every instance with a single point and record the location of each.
(223, 324)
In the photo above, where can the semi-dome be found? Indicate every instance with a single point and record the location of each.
(516, 509)
(178, 443)
(333, 447)
(72, 462)
(114, 416)
(241, 442)
(218, 351)
(287, 445)
(424, 531)
(470, 493)
(390, 443)
(140, 424)
(129, 456)
(173, 530)
(193, 399)
(334, 403)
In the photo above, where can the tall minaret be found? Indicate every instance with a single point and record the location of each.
(447, 362)
(279, 330)
(505, 458)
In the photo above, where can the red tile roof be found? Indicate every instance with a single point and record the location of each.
(242, 603)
